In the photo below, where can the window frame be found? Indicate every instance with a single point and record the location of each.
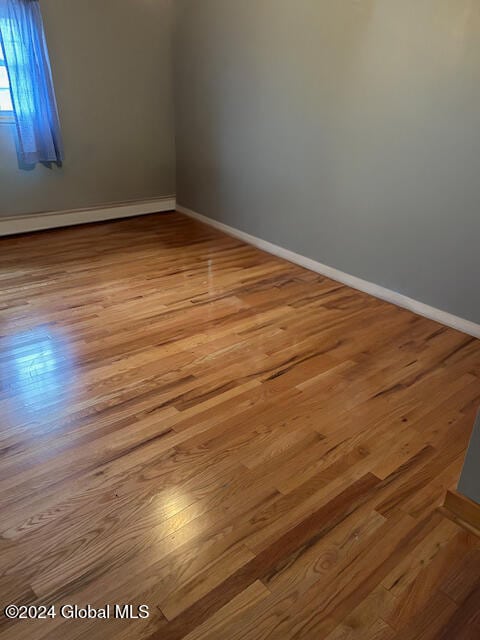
(6, 117)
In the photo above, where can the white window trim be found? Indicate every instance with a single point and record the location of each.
(6, 117)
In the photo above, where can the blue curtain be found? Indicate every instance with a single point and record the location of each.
(28, 67)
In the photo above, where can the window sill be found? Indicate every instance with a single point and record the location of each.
(6, 119)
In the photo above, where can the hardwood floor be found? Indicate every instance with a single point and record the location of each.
(250, 449)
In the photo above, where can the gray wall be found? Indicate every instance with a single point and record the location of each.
(469, 483)
(345, 130)
(101, 51)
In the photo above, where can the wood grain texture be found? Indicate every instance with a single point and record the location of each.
(252, 450)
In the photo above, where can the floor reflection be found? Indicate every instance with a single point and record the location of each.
(35, 372)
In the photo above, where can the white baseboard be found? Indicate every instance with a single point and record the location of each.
(443, 317)
(51, 220)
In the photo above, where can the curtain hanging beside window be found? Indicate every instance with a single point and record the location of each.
(26, 58)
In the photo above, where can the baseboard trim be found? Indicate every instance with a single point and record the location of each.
(51, 220)
(443, 317)
(462, 510)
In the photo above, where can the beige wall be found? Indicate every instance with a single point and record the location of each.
(345, 130)
(102, 51)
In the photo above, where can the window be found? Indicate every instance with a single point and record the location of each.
(27, 97)
(6, 107)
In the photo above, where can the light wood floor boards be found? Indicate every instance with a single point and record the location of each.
(250, 449)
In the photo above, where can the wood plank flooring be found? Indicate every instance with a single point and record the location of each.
(250, 449)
